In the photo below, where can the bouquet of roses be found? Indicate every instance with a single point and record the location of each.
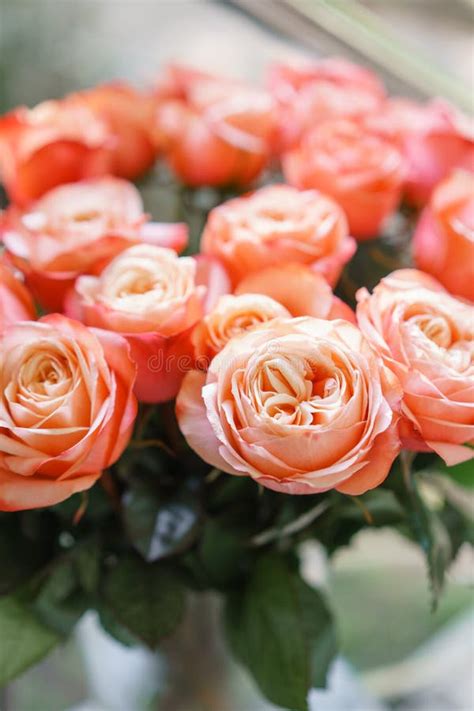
(172, 423)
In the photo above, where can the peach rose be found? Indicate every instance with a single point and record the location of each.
(76, 227)
(300, 290)
(434, 138)
(443, 244)
(300, 405)
(231, 317)
(55, 142)
(16, 303)
(66, 411)
(426, 337)
(129, 116)
(308, 93)
(361, 171)
(154, 298)
(213, 131)
(277, 225)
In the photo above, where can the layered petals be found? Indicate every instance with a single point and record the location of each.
(67, 409)
(154, 299)
(278, 225)
(16, 303)
(300, 405)
(361, 171)
(443, 243)
(426, 338)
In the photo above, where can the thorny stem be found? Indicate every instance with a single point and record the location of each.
(272, 534)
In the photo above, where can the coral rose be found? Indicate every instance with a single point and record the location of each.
(129, 115)
(213, 131)
(55, 142)
(300, 405)
(443, 243)
(300, 290)
(426, 337)
(361, 171)
(277, 225)
(75, 228)
(16, 303)
(434, 138)
(308, 93)
(231, 317)
(66, 410)
(154, 298)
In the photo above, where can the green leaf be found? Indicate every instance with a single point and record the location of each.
(427, 527)
(115, 629)
(23, 639)
(147, 599)
(281, 630)
(223, 552)
(159, 528)
(60, 602)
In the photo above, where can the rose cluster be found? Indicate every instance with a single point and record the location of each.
(274, 376)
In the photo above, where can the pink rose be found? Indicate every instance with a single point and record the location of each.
(75, 229)
(443, 243)
(300, 405)
(154, 299)
(16, 303)
(426, 337)
(278, 225)
(66, 409)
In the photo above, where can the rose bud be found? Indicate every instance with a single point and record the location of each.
(16, 303)
(300, 405)
(434, 138)
(308, 93)
(154, 298)
(426, 337)
(213, 131)
(75, 229)
(278, 225)
(129, 115)
(67, 409)
(361, 171)
(443, 244)
(300, 290)
(55, 142)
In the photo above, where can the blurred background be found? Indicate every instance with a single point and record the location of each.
(404, 657)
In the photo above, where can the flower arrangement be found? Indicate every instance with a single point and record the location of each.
(174, 422)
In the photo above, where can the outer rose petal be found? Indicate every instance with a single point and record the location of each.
(386, 448)
(19, 493)
(16, 303)
(194, 424)
(299, 290)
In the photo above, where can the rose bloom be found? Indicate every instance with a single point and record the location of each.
(443, 244)
(276, 225)
(74, 229)
(214, 131)
(275, 292)
(426, 337)
(55, 142)
(16, 303)
(308, 93)
(361, 171)
(299, 289)
(66, 409)
(300, 405)
(129, 116)
(231, 317)
(434, 138)
(154, 298)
